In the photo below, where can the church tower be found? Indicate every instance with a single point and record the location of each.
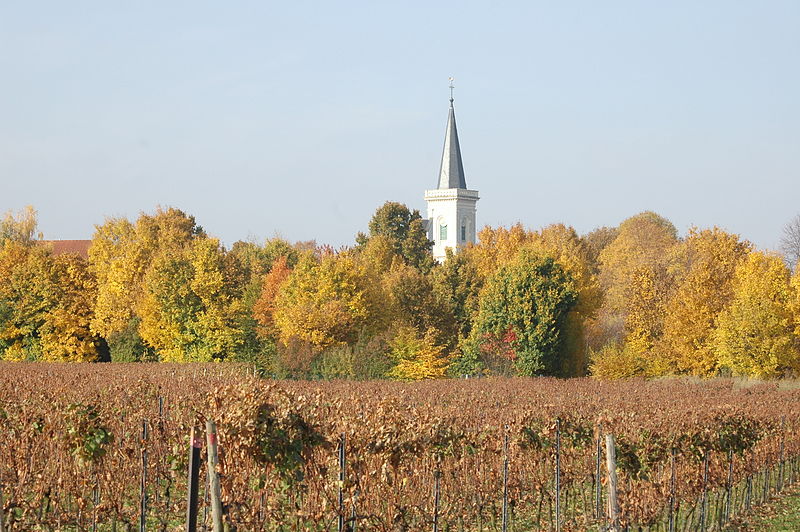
(451, 206)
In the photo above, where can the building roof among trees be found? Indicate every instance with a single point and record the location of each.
(76, 247)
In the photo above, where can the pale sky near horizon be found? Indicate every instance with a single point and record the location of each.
(301, 118)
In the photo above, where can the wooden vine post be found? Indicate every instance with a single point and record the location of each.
(505, 481)
(2, 526)
(342, 476)
(143, 485)
(611, 466)
(213, 475)
(195, 444)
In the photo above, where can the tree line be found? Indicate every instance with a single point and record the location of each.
(631, 300)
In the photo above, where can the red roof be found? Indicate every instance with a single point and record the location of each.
(76, 247)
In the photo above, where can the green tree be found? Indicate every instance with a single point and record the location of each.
(405, 230)
(457, 284)
(522, 314)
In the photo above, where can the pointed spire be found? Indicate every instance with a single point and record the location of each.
(451, 172)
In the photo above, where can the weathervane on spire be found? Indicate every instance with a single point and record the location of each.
(451, 78)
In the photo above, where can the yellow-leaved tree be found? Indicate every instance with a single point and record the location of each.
(633, 273)
(65, 334)
(45, 305)
(634, 355)
(416, 356)
(327, 301)
(189, 312)
(795, 305)
(703, 270)
(26, 295)
(120, 257)
(497, 247)
(645, 318)
(643, 240)
(754, 335)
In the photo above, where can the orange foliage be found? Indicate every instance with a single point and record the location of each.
(265, 306)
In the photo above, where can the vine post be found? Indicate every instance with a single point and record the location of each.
(437, 475)
(195, 444)
(2, 520)
(611, 466)
(213, 474)
(342, 465)
(672, 480)
(704, 500)
(143, 487)
(598, 494)
(96, 501)
(505, 481)
(781, 458)
(729, 487)
(558, 475)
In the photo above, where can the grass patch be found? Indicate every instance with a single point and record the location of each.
(781, 513)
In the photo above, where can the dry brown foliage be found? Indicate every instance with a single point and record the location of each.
(72, 450)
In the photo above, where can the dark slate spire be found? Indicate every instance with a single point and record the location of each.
(451, 173)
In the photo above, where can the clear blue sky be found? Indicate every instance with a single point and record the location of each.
(301, 118)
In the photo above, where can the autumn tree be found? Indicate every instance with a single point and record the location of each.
(46, 302)
(405, 229)
(19, 227)
(247, 267)
(497, 247)
(411, 301)
(703, 269)
(633, 355)
(643, 243)
(264, 308)
(65, 334)
(795, 301)
(25, 298)
(523, 309)
(327, 301)
(189, 311)
(596, 241)
(564, 245)
(416, 356)
(754, 336)
(120, 256)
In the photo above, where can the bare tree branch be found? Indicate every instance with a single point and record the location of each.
(790, 241)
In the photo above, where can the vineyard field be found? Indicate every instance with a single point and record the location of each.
(106, 447)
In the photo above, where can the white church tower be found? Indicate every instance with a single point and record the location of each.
(451, 206)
